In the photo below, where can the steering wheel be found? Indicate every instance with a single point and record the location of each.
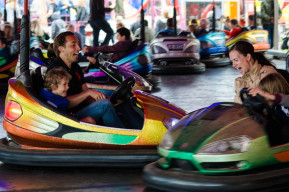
(256, 105)
(123, 91)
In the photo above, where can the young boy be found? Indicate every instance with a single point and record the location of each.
(55, 90)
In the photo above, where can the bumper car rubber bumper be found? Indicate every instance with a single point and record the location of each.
(12, 153)
(216, 62)
(179, 69)
(173, 180)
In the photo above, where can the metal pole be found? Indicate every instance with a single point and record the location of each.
(214, 18)
(255, 15)
(142, 29)
(175, 19)
(25, 39)
(5, 11)
(275, 30)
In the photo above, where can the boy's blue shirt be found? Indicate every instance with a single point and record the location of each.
(56, 101)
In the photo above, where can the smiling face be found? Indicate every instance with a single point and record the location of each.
(61, 88)
(69, 52)
(242, 63)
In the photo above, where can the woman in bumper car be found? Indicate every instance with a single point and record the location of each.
(253, 66)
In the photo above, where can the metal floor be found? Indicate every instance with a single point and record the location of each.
(189, 92)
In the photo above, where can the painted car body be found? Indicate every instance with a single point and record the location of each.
(213, 49)
(7, 70)
(258, 38)
(212, 44)
(220, 148)
(34, 124)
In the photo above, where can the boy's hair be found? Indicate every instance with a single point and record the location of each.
(55, 76)
(60, 40)
(124, 32)
(274, 83)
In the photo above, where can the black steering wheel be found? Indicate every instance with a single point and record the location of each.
(123, 91)
(256, 105)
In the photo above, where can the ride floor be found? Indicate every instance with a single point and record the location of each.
(189, 92)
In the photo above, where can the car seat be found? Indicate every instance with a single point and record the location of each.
(163, 34)
(36, 55)
(33, 82)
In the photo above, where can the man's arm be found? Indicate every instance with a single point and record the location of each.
(118, 47)
(78, 98)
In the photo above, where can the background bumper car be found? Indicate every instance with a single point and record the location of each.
(176, 54)
(138, 61)
(225, 147)
(7, 70)
(258, 38)
(213, 50)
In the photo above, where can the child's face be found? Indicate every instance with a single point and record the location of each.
(61, 89)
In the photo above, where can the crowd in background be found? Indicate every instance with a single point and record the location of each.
(51, 17)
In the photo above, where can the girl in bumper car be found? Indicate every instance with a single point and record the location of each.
(275, 90)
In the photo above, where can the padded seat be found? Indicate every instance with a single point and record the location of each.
(163, 34)
(37, 54)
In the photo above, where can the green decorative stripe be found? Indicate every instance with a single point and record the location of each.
(2, 61)
(100, 138)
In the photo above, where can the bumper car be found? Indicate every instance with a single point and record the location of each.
(213, 50)
(258, 38)
(138, 61)
(224, 147)
(7, 70)
(176, 54)
(41, 135)
(106, 79)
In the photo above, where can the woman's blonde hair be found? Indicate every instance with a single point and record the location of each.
(37, 28)
(55, 76)
(274, 83)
